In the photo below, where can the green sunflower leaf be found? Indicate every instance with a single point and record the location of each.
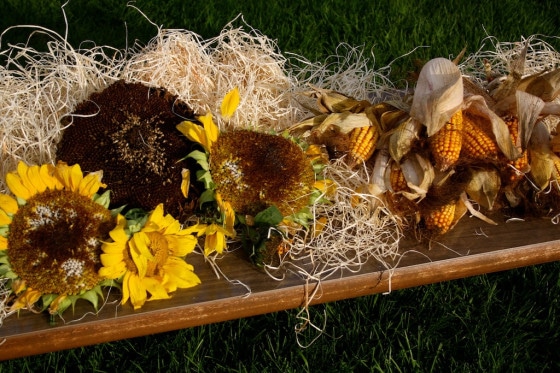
(207, 196)
(206, 178)
(270, 216)
(201, 158)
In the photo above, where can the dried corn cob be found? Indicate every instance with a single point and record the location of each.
(397, 180)
(516, 169)
(446, 143)
(439, 220)
(477, 144)
(362, 144)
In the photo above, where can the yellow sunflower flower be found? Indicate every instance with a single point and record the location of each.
(51, 235)
(215, 237)
(149, 260)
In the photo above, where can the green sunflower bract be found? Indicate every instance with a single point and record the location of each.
(51, 234)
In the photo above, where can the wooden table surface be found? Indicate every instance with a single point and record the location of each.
(501, 247)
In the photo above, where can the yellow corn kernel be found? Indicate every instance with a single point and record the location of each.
(477, 144)
(516, 169)
(440, 220)
(513, 126)
(446, 143)
(362, 144)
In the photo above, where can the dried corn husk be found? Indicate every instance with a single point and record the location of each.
(419, 174)
(545, 85)
(484, 187)
(379, 169)
(403, 137)
(329, 101)
(529, 108)
(438, 94)
(542, 164)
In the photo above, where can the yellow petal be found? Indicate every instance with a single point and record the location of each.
(47, 175)
(90, 184)
(215, 239)
(35, 178)
(112, 259)
(156, 219)
(181, 273)
(70, 176)
(326, 186)
(230, 103)
(210, 129)
(15, 184)
(134, 289)
(3, 243)
(155, 288)
(26, 300)
(140, 252)
(18, 286)
(229, 217)
(5, 219)
(8, 204)
(185, 181)
(193, 132)
(182, 245)
(210, 243)
(112, 272)
(118, 233)
(198, 228)
(23, 172)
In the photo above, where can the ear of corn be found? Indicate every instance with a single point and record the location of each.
(362, 144)
(397, 179)
(516, 169)
(446, 143)
(477, 144)
(439, 220)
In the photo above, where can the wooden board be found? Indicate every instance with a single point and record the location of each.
(472, 248)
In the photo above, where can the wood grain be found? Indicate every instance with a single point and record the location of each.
(472, 248)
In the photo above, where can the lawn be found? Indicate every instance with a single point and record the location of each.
(497, 322)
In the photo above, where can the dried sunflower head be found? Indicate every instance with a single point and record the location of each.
(254, 170)
(128, 131)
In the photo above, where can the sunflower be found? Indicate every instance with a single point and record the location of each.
(128, 131)
(146, 256)
(246, 173)
(51, 235)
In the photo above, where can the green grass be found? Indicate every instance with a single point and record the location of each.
(498, 322)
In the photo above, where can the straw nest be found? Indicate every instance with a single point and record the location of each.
(39, 89)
